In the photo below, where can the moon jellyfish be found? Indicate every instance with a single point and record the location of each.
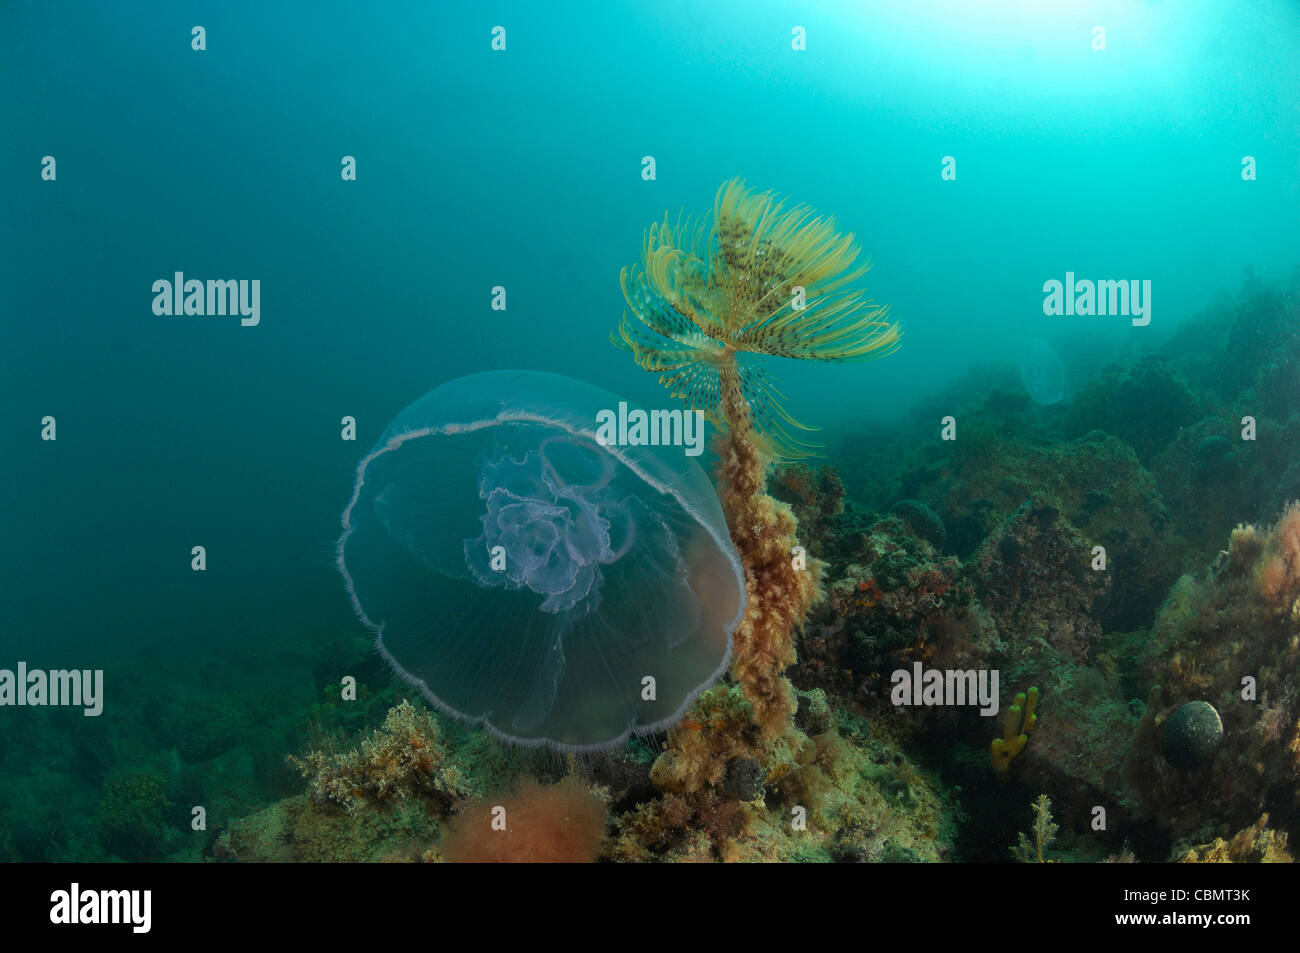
(522, 575)
(1042, 372)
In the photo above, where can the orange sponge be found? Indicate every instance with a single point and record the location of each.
(561, 824)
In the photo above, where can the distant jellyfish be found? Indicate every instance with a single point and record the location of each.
(520, 574)
(1042, 372)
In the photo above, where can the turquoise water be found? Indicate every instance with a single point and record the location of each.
(523, 169)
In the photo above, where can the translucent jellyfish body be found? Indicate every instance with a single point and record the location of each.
(521, 574)
(1042, 372)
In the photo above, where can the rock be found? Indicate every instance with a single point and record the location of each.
(814, 715)
(1215, 461)
(921, 521)
(1144, 404)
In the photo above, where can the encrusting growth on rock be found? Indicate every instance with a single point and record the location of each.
(404, 758)
(780, 594)
(534, 824)
(1256, 844)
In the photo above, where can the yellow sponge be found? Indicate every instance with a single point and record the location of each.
(1017, 724)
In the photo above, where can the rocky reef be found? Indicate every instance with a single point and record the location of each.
(841, 795)
(403, 794)
(1227, 638)
(1130, 563)
(1147, 681)
(1256, 844)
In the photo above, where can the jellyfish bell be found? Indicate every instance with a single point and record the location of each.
(1042, 373)
(522, 574)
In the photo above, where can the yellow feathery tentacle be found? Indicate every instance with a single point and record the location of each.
(711, 297)
(778, 251)
(689, 370)
(772, 423)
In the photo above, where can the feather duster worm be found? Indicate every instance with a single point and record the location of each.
(708, 303)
